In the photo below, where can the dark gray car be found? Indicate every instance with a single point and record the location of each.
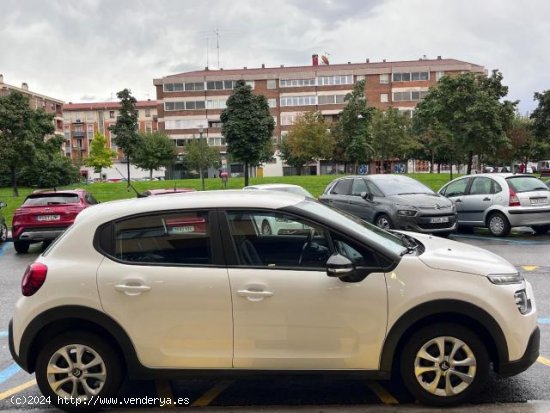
(392, 201)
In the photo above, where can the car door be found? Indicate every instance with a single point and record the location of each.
(478, 198)
(455, 191)
(339, 195)
(364, 208)
(164, 281)
(288, 314)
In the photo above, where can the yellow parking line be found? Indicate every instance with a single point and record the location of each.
(541, 359)
(382, 393)
(17, 389)
(211, 394)
(529, 267)
(164, 390)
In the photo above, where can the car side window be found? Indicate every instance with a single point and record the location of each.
(342, 187)
(456, 188)
(358, 255)
(289, 242)
(172, 238)
(481, 186)
(359, 185)
(91, 200)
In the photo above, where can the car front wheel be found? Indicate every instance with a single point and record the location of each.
(75, 368)
(383, 221)
(444, 364)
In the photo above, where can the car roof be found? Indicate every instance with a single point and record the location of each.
(200, 200)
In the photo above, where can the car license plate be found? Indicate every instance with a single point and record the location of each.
(439, 220)
(182, 230)
(539, 201)
(48, 217)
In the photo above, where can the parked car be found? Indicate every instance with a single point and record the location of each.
(44, 215)
(3, 225)
(166, 191)
(172, 285)
(500, 202)
(277, 224)
(392, 201)
(547, 184)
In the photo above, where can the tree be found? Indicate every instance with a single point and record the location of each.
(22, 133)
(433, 138)
(126, 127)
(308, 140)
(100, 155)
(247, 126)
(154, 150)
(541, 123)
(470, 108)
(355, 126)
(194, 160)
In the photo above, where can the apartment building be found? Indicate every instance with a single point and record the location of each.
(37, 101)
(193, 101)
(82, 120)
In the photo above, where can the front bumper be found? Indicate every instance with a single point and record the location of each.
(531, 354)
(422, 223)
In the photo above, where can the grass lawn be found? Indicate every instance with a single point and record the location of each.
(111, 191)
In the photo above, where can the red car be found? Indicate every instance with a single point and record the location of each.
(151, 192)
(46, 214)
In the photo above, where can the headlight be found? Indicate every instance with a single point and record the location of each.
(406, 212)
(501, 279)
(523, 303)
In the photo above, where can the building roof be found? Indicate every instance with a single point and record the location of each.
(375, 67)
(26, 91)
(107, 105)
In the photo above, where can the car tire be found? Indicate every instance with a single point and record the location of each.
(541, 229)
(498, 225)
(383, 221)
(3, 233)
(266, 228)
(22, 247)
(444, 364)
(102, 378)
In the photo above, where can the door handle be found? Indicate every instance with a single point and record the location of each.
(132, 289)
(486, 199)
(458, 200)
(254, 295)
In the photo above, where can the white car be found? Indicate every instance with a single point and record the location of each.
(176, 285)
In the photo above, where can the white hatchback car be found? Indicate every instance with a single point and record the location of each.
(186, 284)
(500, 202)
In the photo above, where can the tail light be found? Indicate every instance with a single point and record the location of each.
(514, 200)
(34, 277)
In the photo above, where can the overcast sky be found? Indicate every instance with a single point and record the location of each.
(87, 50)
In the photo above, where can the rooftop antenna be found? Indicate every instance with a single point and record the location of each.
(218, 34)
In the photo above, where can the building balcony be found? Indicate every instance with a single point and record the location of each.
(78, 134)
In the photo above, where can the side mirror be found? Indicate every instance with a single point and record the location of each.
(366, 195)
(3, 204)
(339, 266)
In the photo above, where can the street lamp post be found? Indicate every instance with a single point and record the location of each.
(201, 151)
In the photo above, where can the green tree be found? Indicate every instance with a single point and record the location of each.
(100, 155)
(247, 126)
(355, 121)
(433, 138)
(126, 127)
(194, 159)
(308, 140)
(22, 133)
(471, 110)
(541, 123)
(154, 150)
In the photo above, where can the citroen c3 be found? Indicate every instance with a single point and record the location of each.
(187, 284)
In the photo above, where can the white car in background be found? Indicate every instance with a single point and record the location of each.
(275, 225)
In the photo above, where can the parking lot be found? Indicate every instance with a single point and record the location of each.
(530, 389)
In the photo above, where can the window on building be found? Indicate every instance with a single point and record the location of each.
(298, 100)
(383, 97)
(194, 86)
(384, 78)
(216, 103)
(272, 84)
(439, 75)
(272, 103)
(408, 76)
(148, 127)
(147, 113)
(216, 141)
(111, 114)
(360, 77)
(296, 82)
(330, 99)
(335, 80)
(90, 131)
(250, 83)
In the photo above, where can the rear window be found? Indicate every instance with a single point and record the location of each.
(50, 199)
(526, 184)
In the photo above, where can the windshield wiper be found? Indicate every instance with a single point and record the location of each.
(409, 243)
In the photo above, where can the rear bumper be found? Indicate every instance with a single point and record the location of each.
(528, 216)
(38, 234)
(531, 354)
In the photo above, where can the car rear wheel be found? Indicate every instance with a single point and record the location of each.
(22, 247)
(541, 229)
(78, 367)
(3, 233)
(444, 364)
(498, 225)
(383, 221)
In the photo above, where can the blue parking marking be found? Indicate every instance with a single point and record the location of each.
(545, 321)
(3, 334)
(9, 372)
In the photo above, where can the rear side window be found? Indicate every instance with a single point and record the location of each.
(50, 199)
(526, 184)
(172, 238)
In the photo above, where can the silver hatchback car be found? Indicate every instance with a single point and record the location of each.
(500, 202)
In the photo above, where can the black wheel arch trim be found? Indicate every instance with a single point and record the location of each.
(436, 310)
(64, 314)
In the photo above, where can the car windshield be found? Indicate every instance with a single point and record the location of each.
(356, 225)
(526, 184)
(401, 185)
(50, 199)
